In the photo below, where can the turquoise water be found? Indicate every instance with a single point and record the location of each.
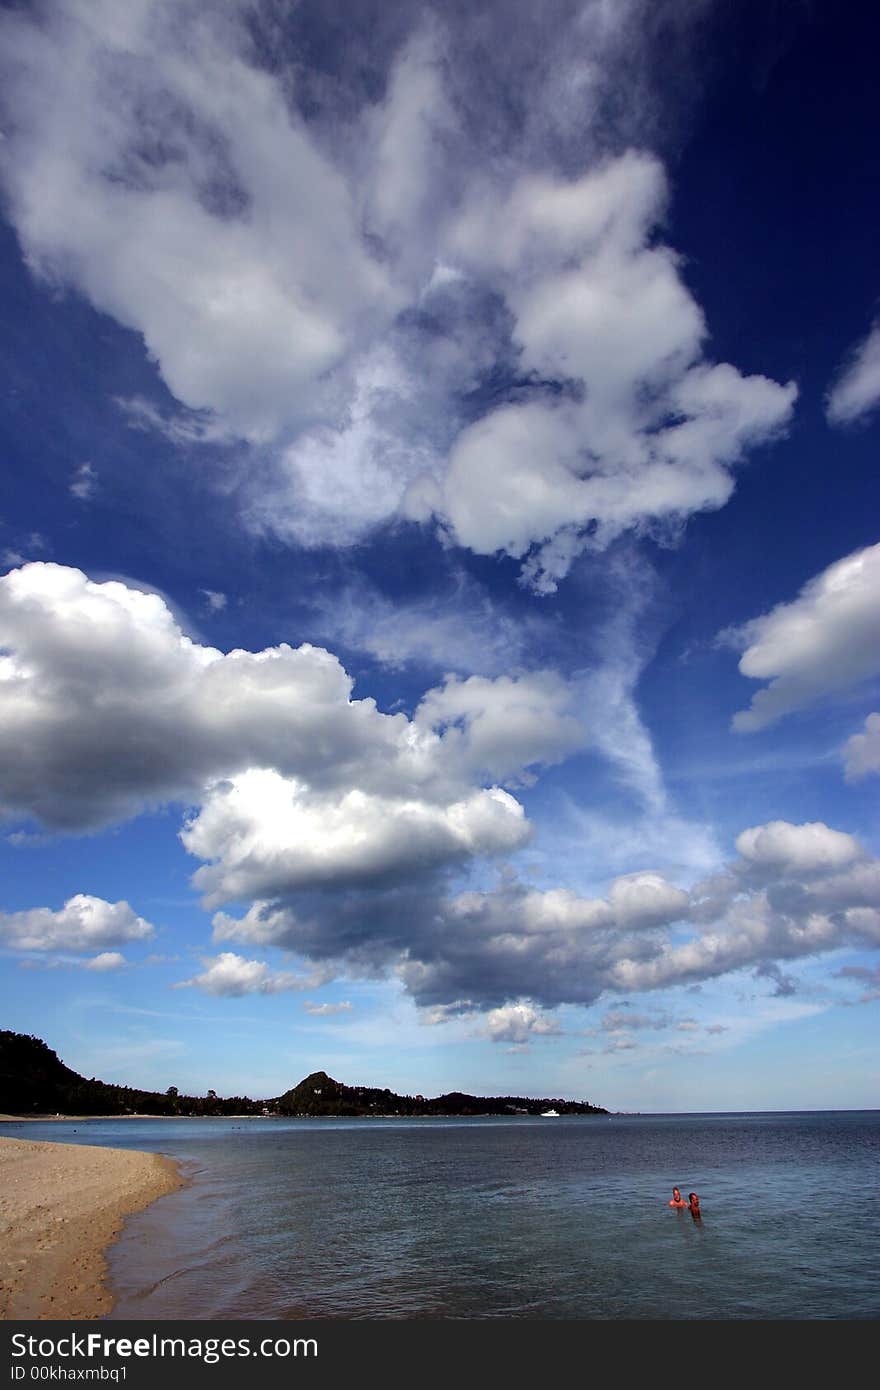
(502, 1218)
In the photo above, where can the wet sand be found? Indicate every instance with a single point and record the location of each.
(61, 1205)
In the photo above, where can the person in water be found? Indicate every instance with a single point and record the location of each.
(677, 1199)
(694, 1206)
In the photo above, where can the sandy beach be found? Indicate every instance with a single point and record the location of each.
(60, 1207)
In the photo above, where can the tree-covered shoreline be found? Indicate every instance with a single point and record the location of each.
(34, 1081)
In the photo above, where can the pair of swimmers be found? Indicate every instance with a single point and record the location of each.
(692, 1204)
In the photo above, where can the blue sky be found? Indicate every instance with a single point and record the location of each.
(439, 558)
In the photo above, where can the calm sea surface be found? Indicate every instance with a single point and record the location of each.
(492, 1218)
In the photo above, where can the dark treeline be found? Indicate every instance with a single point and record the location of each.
(319, 1094)
(34, 1081)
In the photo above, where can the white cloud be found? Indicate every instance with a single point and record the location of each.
(229, 975)
(806, 890)
(647, 900)
(498, 728)
(107, 960)
(182, 426)
(84, 923)
(169, 181)
(518, 1023)
(862, 751)
(818, 894)
(461, 631)
(340, 479)
(607, 689)
(799, 849)
(340, 288)
(403, 136)
(215, 602)
(85, 481)
(856, 393)
(652, 430)
(610, 843)
(23, 551)
(339, 822)
(268, 835)
(825, 642)
(326, 1010)
(853, 890)
(107, 708)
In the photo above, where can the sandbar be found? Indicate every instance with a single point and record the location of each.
(61, 1205)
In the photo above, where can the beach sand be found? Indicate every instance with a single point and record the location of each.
(60, 1207)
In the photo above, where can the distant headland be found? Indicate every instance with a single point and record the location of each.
(34, 1081)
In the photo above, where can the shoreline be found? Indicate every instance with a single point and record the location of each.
(61, 1206)
(135, 1115)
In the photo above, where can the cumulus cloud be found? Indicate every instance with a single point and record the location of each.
(269, 835)
(84, 923)
(107, 960)
(340, 825)
(170, 183)
(409, 300)
(856, 393)
(862, 751)
(824, 642)
(646, 900)
(648, 430)
(820, 893)
(797, 892)
(499, 728)
(326, 1010)
(107, 707)
(801, 849)
(231, 975)
(518, 1023)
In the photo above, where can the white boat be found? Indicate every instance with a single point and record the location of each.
(545, 1114)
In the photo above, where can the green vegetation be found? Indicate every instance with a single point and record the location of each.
(319, 1094)
(33, 1081)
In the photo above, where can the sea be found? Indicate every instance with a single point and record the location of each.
(563, 1218)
